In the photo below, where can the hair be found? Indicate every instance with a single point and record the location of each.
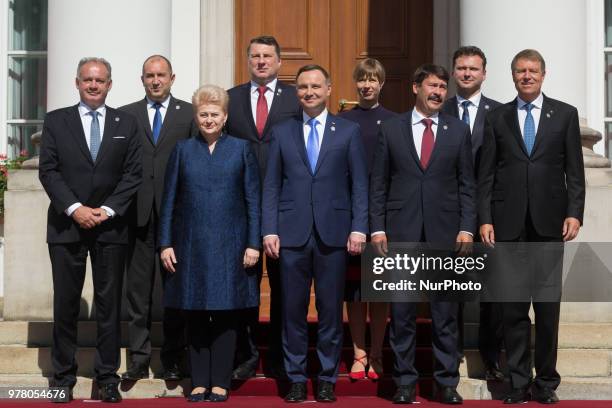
(97, 60)
(426, 70)
(313, 67)
(469, 51)
(265, 40)
(210, 94)
(531, 55)
(155, 57)
(369, 68)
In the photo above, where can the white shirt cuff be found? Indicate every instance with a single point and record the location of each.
(72, 208)
(270, 235)
(109, 211)
(377, 233)
(466, 232)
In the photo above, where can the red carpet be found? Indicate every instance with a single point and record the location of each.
(272, 402)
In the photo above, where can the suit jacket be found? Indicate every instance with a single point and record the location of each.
(178, 124)
(240, 121)
(69, 175)
(486, 105)
(406, 199)
(549, 183)
(334, 199)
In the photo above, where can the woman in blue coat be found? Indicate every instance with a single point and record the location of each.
(209, 237)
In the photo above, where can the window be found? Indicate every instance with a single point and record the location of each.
(27, 73)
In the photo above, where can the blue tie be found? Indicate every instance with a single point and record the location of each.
(466, 113)
(529, 129)
(157, 122)
(94, 134)
(312, 146)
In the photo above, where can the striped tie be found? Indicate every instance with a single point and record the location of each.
(529, 128)
(94, 134)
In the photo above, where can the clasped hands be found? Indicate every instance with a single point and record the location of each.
(88, 217)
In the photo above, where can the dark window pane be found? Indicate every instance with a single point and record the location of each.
(27, 25)
(27, 87)
(20, 140)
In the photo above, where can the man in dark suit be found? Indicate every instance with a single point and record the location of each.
(471, 106)
(421, 156)
(90, 166)
(254, 108)
(162, 121)
(314, 210)
(531, 189)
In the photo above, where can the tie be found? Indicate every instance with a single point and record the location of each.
(428, 142)
(466, 113)
(529, 128)
(262, 110)
(312, 146)
(94, 134)
(157, 122)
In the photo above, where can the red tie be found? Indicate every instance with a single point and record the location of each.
(428, 142)
(262, 110)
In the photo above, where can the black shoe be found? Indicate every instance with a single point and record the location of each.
(172, 373)
(109, 392)
(493, 373)
(325, 392)
(136, 372)
(545, 395)
(297, 393)
(199, 397)
(405, 394)
(214, 397)
(517, 396)
(449, 395)
(243, 372)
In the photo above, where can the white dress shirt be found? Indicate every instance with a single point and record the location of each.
(269, 94)
(472, 107)
(86, 119)
(418, 128)
(536, 111)
(162, 110)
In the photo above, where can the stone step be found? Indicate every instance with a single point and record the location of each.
(39, 334)
(571, 388)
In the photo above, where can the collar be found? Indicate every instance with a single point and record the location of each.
(475, 99)
(537, 102)
(322, 118)
(417, 117)
(164, 104)
(270, 85)
(84, 109)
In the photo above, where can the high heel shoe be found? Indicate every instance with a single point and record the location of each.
(374, 374)
(359, 375)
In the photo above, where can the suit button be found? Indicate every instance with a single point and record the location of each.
(151, 177)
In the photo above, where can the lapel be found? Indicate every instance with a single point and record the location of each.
(409, 138)
(171, 113)
(545, 117)
(477, 131)
(441, 138)
(247, 112)
(511, 119)
(451, 107)
(298, 139)
(276, 104)
(328, 139)
(73, 120)
(142, 114)
(111, 122)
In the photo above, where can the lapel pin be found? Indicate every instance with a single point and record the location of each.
(117, 119)
(378, 122)
(445, 127)
(178, 106)
(333, 128)
(487, 107)
(548, 115)
(278, 91)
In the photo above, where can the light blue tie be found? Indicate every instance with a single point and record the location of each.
(529, 128)
(157, 122)
(466, 113)
(312, 146)
(94, 134)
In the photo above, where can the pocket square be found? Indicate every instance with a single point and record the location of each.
(118, 137)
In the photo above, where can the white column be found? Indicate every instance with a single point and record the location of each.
(123, 32)
(217, 39)
(556, 28)
(185, 47)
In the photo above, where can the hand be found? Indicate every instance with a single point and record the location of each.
(168, 259)
(463, 246)
(250, 257)
(487, 235)
(85, 217)
(379, 242)
(354, 244)
(571, 226)
(272, 246)
(100, 214)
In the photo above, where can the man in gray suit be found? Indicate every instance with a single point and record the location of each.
(163, 120)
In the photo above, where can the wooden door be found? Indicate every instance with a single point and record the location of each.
(336, 34)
